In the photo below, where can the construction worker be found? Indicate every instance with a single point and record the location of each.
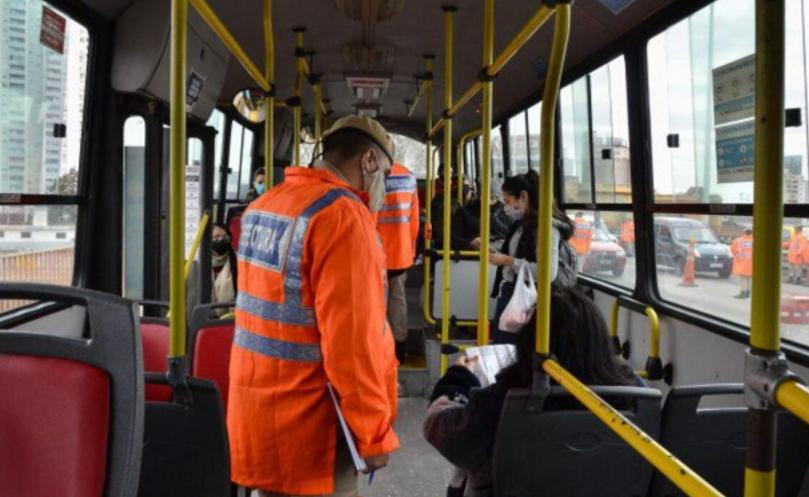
(628, 236)
(582, 238)
(310, 311)
(398, 225)
(742, 250)
(797, 255)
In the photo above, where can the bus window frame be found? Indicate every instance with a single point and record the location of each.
(632, 46)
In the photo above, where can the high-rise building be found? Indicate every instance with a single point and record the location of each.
(34, 85)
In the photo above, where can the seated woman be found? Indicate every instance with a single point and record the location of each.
(462, 418)
(223, 267)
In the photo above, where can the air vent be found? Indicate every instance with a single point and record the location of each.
(616, 6)
(370, 10)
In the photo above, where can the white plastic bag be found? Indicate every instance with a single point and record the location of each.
(520, 308)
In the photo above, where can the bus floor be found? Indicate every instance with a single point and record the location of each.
(416, 469)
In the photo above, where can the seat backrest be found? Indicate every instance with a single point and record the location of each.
(155, 335)
(209, 343)
(711, 441)
(565, 451)
(72, 410)
(463, 300)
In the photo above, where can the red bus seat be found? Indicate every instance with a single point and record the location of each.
(71, 409)
(155, 335)
(210, 340)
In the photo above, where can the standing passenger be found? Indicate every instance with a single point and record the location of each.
(398, 224)
(798, 248)
(311, 311)
(742, 250)
(582, 237)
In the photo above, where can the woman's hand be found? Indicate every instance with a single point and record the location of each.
(475, 243)
(466, 361)
(499, 259)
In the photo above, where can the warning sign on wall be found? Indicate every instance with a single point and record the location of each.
(52, 33)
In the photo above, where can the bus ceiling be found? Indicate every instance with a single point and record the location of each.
(346, 43)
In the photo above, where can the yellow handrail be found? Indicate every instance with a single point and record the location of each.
(654, 328)
(765, 318)
(665, 462)
(518, 41)
(460, 163)
(269, 108)
(230, 42)
(794, 397)
(189, 261)
(448, 46)
(177, 152)
(428, 197)
(486, 175)
(296, 110)
(561, 35)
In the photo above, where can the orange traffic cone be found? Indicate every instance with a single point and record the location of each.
(689, 270)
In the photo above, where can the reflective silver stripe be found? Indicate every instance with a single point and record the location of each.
(285, 313)
(278, 349)
(394, 220)
(397, 207)
(395, 184)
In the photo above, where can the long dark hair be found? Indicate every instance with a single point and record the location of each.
(231, 255)
(529, 183)
(579, 341)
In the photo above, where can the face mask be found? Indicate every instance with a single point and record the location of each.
(259, 187)
(513, 213)
(220, 246)
(374, 186)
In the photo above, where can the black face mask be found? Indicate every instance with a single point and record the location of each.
(220, 247)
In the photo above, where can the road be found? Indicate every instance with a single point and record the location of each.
(712, 295)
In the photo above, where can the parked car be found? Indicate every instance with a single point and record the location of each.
(672, 237)
(605, 255)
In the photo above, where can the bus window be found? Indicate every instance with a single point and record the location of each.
(497, 154)
(240, 159)
(217, 121)
(534, 126)
(517, 145)
(610, 133)
(134, 172)
(605, 245)
(410, 153)
(246, 163)
(41, 127)
(574, 108)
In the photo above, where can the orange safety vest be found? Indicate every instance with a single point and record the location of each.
(798, 248)
(742, 250)
(398, 221)
(310, 310)
(582, 235)
(628, 232)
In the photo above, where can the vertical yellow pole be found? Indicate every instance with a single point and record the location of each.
(561, 34)
(269, 104)
(459, 165)
(765, 337)
(318, 117)
(486, 175)
(428, 192)
(179, 32)
(296, 110)
(449, 12)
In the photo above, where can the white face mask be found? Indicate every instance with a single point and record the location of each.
(513, 213)
(374, 186)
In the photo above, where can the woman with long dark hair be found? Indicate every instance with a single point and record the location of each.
(462, 418)
(521, 199)
(223, 265)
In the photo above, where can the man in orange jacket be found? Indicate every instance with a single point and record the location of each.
(582, 238)
(797, 255)
(310, 312)
(742, 251)
(398, 225)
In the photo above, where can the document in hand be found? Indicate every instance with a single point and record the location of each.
(491, 359)
(359, 462)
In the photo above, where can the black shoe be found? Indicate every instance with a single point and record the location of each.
(401, 352)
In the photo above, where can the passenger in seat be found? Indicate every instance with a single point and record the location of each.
(521, 196)
(223, 266)
(462, 418)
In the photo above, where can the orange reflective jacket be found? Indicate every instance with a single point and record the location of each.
(310, 309)
(582, 235)
(398, 221)
(742, 250)
(628, 232)
(798, 249)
